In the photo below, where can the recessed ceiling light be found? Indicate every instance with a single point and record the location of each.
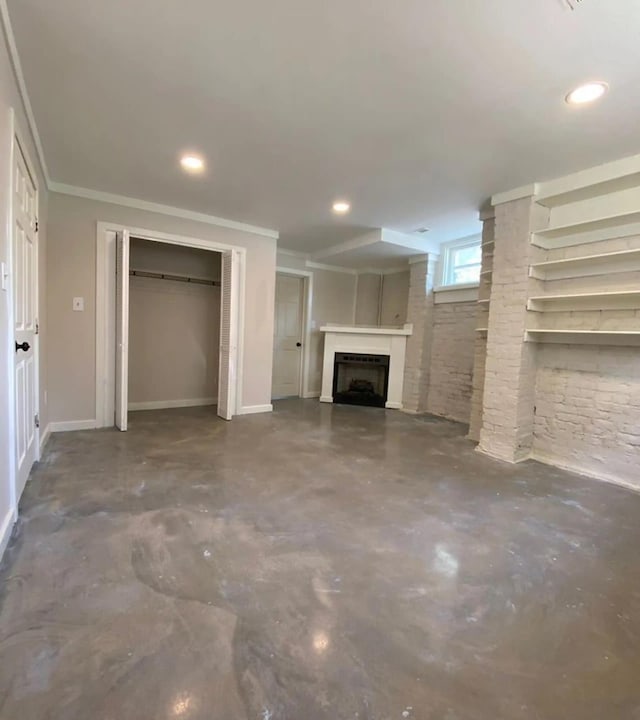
(341, 207)
(192, 163)
(587, 93)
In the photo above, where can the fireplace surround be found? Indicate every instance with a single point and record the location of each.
(374, 374)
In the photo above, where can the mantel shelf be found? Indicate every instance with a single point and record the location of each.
(585, 265)
(605, 228)
(593, 337)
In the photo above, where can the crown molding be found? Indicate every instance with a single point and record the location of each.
(516, 194)
(332, 268)
(125, 201)
(22, 89)
(293, 253)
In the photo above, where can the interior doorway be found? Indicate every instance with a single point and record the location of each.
(118, 276)
(288, 336)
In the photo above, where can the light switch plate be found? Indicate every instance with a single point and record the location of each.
(4, 275)
(78, 304)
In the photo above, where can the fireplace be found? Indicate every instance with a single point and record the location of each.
(360, 379)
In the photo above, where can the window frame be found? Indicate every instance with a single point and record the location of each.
(447, 268)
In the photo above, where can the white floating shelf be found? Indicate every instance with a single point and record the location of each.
(485, 301)
(587, 337)
(587, 265)
(486, 273)
(561, 196)
(482, 330)
(489, 243)
(619, 300)
(606, 228)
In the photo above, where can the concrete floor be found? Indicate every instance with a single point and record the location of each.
(319, 562)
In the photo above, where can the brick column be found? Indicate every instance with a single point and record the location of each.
(480, 343)
(420, 313)
(509, 383)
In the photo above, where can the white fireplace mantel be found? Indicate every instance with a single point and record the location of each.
(391, 341)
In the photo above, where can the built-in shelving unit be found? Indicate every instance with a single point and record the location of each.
(616, 300)
(618, 290)
(559, 195)
(605, 228)
(587, 265)
(601, 337)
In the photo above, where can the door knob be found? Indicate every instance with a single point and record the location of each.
(22, 346)
(298, 344)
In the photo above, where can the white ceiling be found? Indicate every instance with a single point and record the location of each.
(416, 110)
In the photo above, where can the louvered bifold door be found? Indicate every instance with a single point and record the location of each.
(122, 329)
(228, 335)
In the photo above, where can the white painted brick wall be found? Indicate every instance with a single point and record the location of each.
(420, 313)
(509, 387)
(452, 357)
(480, 341)
(587, 414)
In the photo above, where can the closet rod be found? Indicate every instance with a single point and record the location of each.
(177, 278)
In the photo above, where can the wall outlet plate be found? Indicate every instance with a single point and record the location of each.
(78, 304)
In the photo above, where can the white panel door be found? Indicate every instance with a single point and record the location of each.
(122, 329)
(228, 335)
(24, 257)
(287, 342)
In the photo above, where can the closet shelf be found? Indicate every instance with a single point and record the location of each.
(618, 300)
(593, 337)
(598, 264)
(605, 228)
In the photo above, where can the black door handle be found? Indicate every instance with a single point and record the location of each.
(22, 346)
(298, 344)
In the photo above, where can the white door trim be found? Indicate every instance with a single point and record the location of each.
(105, 307)
(307, 299)
(18, 145)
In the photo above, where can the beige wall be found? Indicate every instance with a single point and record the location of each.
(395, 296)
(71, 265)
(174, 327)
(368, 299)
(9, 98)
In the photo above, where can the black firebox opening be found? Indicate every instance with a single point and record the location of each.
(360, 379)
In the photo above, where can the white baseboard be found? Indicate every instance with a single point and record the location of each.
(5, 530)
(164, 404)
(253, 409)
(311, 394)
(70, 425)
(393, 405)
(326, 398)
(44, 438)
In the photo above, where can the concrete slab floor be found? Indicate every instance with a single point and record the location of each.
(317, 562)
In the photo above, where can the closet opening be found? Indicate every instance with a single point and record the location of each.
(174, 326)
(169, 324)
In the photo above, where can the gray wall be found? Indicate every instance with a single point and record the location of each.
(368, 299)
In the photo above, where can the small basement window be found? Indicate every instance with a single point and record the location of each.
(461, 262)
